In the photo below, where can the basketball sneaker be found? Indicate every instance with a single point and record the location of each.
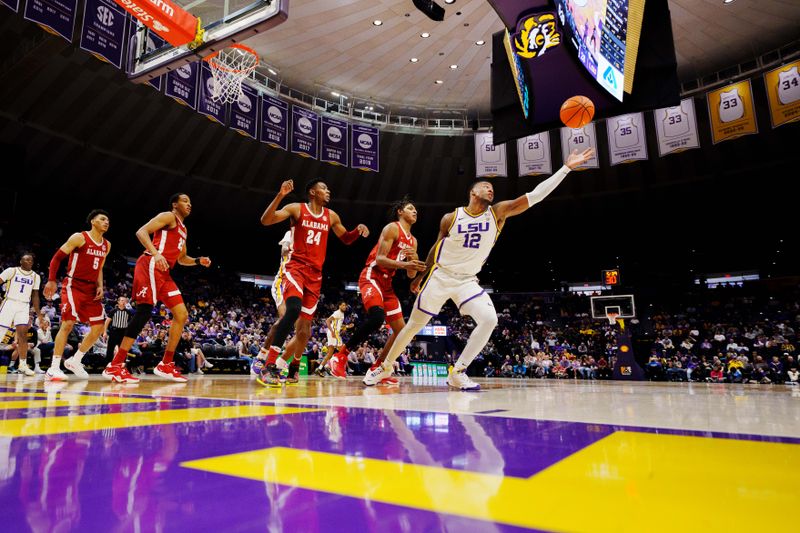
(256, 367)
(292, 374)
(119, 374)
(458, 379)
(25, 369)
(169, 371)
(55, 374)
(76, 368)
(320, 371)
(339, 366)
(270, 376)
(376, 374)
(391, 381)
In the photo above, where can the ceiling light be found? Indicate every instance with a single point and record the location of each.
(453, 67)
(438, 82)
(424, 35)
(449, 1)
(727, 1)
(334, 93)
(480, 43)
(377, 22)
(272, 72)
(414, 59)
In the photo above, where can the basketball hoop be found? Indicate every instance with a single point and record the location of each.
(612, 317)
(229, 67)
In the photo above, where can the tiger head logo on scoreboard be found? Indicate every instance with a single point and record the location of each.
(535, 34)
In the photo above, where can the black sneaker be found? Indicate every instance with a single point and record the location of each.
(294, 374)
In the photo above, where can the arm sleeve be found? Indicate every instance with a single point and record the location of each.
(350, 237)
(547, 186)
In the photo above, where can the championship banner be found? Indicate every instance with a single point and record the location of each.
(182, 84)
(157, 82)
(54, 16)
(304, 132)
(533, 155)
(11, 4)
(580, 139)
(490, 160)
(103, 30)
(244, 112)
(275, 122)
(333, 141)
(365, 148)
(732, 112)
(205, 104)
(627, 141)
(676, 128)
(783, 94)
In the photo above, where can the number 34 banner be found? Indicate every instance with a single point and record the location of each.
(580, 139)
(490, 160)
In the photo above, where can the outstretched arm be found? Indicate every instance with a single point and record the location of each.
(186, 260)
(273, 215)
(76, 240)
(519, 205)
(347, 237)
(444, 229)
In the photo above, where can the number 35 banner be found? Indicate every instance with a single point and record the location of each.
(490, 160)
(626, 138)
(580, 139)
(732, 112)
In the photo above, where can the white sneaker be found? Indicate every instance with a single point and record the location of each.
(38, 370)
(206, 364)
(460, 380)
(25, 369)
(375, 375)
(55, 374)
(76, 368)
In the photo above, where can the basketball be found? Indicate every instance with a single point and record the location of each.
(577, 111)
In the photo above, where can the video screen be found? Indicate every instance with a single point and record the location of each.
(598, 30)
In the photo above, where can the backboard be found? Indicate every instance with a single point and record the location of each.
(225, 22)
(623, 305)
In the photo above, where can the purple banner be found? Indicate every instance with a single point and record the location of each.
(103, 30)
(333, 141)
(157, 82)
(11, 4)
(244, 113)
(55, 16)
(275, 122)
(182, 84)
(364, 145)
(304, 132)
(205, 104)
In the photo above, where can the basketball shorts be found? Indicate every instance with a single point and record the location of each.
(334, 340)
(151, 285)
(442, 285)
(376, 290)
(78, 303)
(14, 313)
(277, 290)
(304, 282)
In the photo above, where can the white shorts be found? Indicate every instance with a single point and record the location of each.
(442, 286)
(334, 341)
(277, 289)
(13, 313)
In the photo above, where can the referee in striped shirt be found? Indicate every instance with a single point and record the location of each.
(116, 323)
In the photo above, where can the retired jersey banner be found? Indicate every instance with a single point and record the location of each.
(732, 112)
(11, 4)
(364, 148)
(275, 122)
(244, 113)
(333, 141)
(783, 93)
(182, 84)
(103, 30)
(676, 128)
(304, 132)
(533, 155)
(626, 138)
(580, 139)
(55, 16)
(214, 110)
(490, 160)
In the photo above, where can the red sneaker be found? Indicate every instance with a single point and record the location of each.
(119, 374)
(339, 365)
(391, 381)
(170, 372)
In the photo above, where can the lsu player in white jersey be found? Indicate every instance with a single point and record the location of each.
(21, 285)
(286, 254)
(466, 237)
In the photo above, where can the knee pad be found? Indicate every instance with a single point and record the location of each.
(140, 318)
(285, 324)
(375, 317)
(481, 313)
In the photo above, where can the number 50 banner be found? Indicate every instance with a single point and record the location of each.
(580, 139)
(490, 160)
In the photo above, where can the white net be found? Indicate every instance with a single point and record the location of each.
(230, 67)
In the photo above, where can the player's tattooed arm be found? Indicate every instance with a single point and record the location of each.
(444, 229)
(273, 215)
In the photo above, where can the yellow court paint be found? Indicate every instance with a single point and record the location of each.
(26, 427)
(66, 401)
(614, 484)
(23, 394)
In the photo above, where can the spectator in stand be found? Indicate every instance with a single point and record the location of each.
(776, 374)
(489, 371)
(44, 334)
(717, 374)
(793, 376)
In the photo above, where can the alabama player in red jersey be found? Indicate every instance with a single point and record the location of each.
(303, 272)
(396, 249)
(81, 292)
(152, 283)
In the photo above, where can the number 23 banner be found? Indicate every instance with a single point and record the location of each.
(490, 160)
(580, 139)
(732, 112)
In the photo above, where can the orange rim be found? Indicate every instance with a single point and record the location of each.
(233, 70)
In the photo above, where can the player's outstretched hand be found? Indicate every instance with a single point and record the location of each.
(576, 159)
(416, 264)
(205, 261)
(287, 187)
(362, 230)
(50, 289)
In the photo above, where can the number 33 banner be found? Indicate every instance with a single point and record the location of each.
(732, 112)
(676, 128)
(626, 138)
(580, 139)
(490, 160)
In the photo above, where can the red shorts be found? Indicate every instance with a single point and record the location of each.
(151, 285)
(376, 290)
(304, 282)
(78, 303)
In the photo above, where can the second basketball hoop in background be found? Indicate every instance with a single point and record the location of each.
(229, 67)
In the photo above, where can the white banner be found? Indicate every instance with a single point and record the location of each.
(626, 138)
(580, 139)
(676, 128)
(490, 160)
(533, 155)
